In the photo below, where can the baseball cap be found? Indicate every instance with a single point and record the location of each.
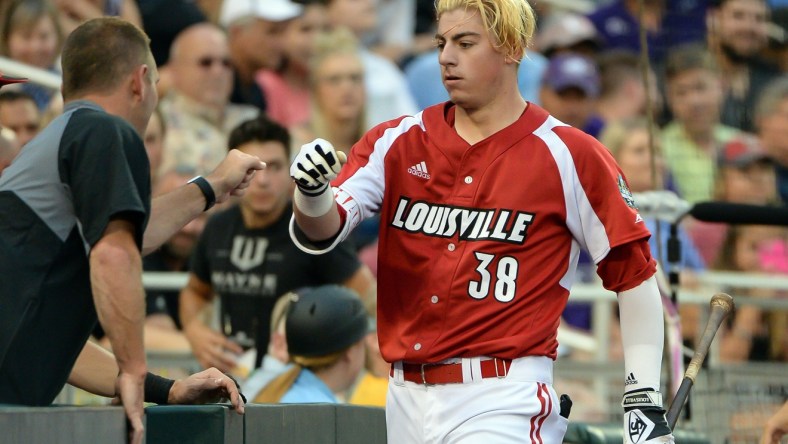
(271, 10)
(324, 320)
(742, 151)
(7, 80)
(572, 71)
(565, 30)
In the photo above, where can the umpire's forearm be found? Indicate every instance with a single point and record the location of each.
(169, 213)
(116, 281)
(95, 371)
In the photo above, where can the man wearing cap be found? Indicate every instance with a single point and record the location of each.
(325, 329)
(255, 35)
(746, 172)
(75, 218)
(568, 32)
(570, 86)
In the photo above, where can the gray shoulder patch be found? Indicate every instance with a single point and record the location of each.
(35, 179)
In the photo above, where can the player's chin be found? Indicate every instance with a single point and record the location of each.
(454, 94)
(462, 100)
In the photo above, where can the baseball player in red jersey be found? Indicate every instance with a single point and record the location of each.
(485, 202)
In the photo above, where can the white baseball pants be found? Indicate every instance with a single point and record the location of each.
(521, 407)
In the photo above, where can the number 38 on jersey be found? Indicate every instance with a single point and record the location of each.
(505, 271)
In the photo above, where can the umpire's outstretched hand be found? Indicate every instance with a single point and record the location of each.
(233, 175)
(207, 386)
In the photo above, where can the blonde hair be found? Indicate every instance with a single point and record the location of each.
(339, 41)
(616, 134)
(511, 23)
(318, 363)
(327, 44)
(279, 312)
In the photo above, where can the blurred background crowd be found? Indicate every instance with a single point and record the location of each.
(702, 112)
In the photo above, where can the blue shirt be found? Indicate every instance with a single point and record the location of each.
(308, 388)
(423, 74)
(594, 126)
(684, 21)
(690, 258)
(267, 372)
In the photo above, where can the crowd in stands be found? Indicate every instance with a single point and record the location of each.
(702, 112)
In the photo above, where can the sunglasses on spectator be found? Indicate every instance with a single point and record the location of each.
(208, 62)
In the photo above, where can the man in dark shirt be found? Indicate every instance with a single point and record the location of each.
(76, 216)
(245, 255)
(737, 35)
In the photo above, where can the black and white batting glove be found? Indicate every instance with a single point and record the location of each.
(315, 166)
(644, 418)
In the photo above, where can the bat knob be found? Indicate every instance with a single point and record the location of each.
(723, 301)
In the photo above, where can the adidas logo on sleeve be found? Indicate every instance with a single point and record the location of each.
(419, 170)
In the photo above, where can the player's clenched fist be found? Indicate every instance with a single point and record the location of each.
(317, 164)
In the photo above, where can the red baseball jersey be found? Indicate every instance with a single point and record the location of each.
(479, 243)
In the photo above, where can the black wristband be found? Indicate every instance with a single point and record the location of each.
(207, 191)
(157, 388)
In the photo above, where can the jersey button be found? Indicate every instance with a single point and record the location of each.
(434, 299)
(451, 247)
(468, 179)
(417, 346)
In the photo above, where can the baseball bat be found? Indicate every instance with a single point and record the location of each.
(721, 304)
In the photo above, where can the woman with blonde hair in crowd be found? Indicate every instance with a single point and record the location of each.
(30, 33)
(628, 141)
(337, 92)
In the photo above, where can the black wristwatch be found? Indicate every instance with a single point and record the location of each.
(207, 191)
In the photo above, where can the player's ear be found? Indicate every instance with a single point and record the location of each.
(514, 57)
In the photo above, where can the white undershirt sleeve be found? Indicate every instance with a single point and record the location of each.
(642, 335)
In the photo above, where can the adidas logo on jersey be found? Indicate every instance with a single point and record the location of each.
(630, 379)
(419, 170)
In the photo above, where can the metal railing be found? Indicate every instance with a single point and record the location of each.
(596, 384)
(34, 75)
